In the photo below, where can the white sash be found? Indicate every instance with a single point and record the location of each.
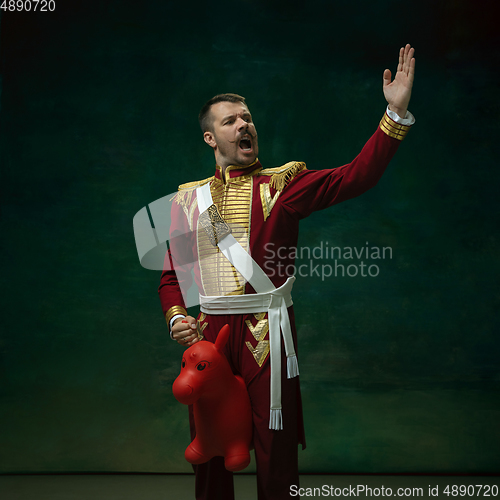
(268, 297)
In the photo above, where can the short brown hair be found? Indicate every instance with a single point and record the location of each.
(204, 116)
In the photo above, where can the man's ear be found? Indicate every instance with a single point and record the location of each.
(209, 138)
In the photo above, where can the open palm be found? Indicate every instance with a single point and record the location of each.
(398, 92)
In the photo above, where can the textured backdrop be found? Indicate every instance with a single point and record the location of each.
(99, 103)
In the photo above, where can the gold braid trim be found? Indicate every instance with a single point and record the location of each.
(281, 176)
(173, 311)
(393, 129)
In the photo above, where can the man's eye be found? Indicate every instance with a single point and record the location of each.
(183, 364)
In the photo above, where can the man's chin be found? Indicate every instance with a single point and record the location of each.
(242, 160)
(246, 160)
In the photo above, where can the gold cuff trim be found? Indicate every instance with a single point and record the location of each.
(393, 129)
(173, 311)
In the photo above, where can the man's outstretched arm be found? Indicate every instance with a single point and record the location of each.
(313, 190)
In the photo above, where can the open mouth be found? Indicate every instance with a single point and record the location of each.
(246, 144)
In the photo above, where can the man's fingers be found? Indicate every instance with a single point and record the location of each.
(186, 339)
(387, 77)
(401, 59)
(405, 56)
(192, 339)
(184, 331)
(187, 323)
(190, 321)
(408, 55)
(411, 72)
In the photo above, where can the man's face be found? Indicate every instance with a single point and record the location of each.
(234, 137)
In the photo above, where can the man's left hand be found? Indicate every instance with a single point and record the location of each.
(398, 92)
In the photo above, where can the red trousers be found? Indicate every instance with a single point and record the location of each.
(276, 452)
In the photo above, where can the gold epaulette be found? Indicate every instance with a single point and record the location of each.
(191, 185)
(184, 195)
(281, 176)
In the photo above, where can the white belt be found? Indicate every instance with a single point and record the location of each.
(268, 298)
(245, 304)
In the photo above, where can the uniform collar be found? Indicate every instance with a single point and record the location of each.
(235, 172)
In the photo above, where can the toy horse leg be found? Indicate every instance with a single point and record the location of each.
(237, 456)
(194, 454)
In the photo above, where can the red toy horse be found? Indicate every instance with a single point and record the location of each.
(222, 412)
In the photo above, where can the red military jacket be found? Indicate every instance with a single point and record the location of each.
(263, 207)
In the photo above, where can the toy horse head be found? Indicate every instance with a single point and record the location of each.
(202, 365)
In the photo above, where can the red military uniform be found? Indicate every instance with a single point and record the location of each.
(263, 208)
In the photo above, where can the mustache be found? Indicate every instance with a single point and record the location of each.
(253, 136)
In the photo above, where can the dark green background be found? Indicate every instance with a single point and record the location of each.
(99, 102)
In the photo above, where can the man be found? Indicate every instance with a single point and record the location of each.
(251, 207)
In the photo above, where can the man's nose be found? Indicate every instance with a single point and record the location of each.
(242, 124)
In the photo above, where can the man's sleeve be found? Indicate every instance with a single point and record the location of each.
(176, 275)
(313, 190)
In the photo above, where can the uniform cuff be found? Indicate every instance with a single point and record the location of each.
(173, 311)
(408, 120)
(392, 128)
(171, 323)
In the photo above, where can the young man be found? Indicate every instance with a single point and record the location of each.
(227, 246)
